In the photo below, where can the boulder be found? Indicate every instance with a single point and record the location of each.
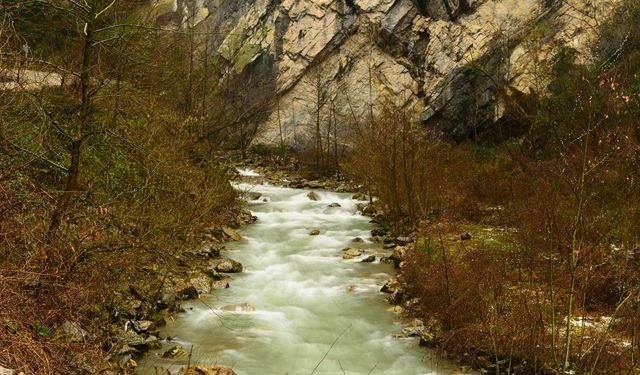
(357, 240)
(334, 205)
(133, 340)
(359, 197)
(413, 302)
(220, 284)
(228, 266)
(398, 255)
(313, 196)
(174, 352)
(153, 343)
(396, 309)
(201, 283)
(314, 232)
(74, 331)
(391, 285)
(351, 253)
(369, 259)
(209, 250)
(232, 234)
(379, 232)
(430, 333)
(218, 280)
(189, 292)
(140, 326)
(414, 329)
(396, 297)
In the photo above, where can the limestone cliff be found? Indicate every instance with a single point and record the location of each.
(452, 61)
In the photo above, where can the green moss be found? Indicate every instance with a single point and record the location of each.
(246, 55)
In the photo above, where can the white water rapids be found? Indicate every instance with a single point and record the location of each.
(302, 309)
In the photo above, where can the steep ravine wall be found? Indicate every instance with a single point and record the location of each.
(450, 61)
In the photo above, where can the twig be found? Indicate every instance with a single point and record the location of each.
(331, 347)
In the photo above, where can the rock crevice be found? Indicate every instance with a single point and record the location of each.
(448, 60)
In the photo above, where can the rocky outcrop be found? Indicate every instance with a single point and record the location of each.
(451, 61)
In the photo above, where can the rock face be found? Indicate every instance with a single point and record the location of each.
(451, 61)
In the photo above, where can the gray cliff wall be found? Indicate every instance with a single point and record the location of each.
(450, 61)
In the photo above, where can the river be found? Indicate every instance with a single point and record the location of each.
(299, 308)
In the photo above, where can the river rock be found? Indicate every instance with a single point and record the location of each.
(314, 232)
(369, 259)
(174, 352)
(396, 297)
(252, 195)
(232, 234)
(381, 232)
(412, 303)
(334, 205)
(313, 196)
(209, 250)
(398, 255)
(153, 342)
(414, 329)
(220, 284)
(391, 285)
(228, 266)
(121, 354)
(351, 253)
(430, 333)
(74, 331)
(357, 240)
(201, 283)
(200, 370)
(141, 326)
(175, 289)
(189, 292)
(133, 340)
(359, 197)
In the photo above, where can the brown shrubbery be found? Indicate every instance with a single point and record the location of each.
(550, 281)
(142, 192)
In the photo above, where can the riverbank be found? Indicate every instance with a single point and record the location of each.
(449, 271)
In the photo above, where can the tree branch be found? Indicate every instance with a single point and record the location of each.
(51, 162)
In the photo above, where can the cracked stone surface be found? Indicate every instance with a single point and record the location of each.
(425, 55)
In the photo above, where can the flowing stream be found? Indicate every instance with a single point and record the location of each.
(299, 308)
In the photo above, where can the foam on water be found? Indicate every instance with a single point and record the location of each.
(306, 301)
